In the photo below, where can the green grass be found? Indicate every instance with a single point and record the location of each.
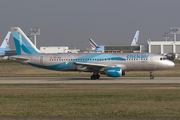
(14, 69)
(90, 100)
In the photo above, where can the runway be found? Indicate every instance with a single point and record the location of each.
(86, 80)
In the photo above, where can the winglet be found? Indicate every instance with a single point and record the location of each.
(5, 43)
(22, 42)
(135, 39)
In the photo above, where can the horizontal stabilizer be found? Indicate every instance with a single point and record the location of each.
(19, 59)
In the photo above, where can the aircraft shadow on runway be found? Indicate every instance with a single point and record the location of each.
(103, 78)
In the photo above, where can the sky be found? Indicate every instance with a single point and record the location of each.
(72, 22)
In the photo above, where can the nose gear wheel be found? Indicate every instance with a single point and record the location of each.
(151, 76)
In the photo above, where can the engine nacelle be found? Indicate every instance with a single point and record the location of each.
(114, 72)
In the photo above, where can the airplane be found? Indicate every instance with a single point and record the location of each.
(96, 47)
(5, 45)
(110, 64)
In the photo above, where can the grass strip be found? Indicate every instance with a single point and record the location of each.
(90, 100)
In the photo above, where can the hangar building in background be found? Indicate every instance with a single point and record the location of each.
(126, 49)
(166, 46)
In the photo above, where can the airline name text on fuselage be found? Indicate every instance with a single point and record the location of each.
(137, 56)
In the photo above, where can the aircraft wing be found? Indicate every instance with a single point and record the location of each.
(97, 67)
(91, 66)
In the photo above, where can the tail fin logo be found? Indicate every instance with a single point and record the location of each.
(136, 40)
(20, 40)
(7, 41)
(148, 41)
(92, 46)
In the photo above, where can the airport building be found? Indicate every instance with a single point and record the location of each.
(126, 49)
(168, 45)
(54, 49)
(58, 49)
(164, 47)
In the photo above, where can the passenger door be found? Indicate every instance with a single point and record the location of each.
(151, 59)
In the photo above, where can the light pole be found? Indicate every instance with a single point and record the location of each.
(35, 31)
(174, 30)
(166, 36)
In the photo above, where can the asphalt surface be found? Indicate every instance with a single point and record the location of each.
(87, 80)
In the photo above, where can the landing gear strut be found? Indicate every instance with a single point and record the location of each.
(95, 76)
(151, 76)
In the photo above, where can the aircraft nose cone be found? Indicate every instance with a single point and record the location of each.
(171, 64)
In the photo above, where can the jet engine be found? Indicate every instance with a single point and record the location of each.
(114, 72)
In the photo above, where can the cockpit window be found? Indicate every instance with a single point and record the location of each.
(163, 58)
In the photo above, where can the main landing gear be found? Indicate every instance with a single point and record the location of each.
(95, 76)
(151, 76)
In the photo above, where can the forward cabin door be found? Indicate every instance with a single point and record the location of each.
(151, 59)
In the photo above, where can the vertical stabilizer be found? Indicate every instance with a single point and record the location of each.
(135, 39)
(148, 41)
(93, 44)
(22, 42)
(5, 43)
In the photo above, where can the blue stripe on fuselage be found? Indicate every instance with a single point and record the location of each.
(60, 66)
(83, 59)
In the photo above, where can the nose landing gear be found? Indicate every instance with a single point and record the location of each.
(151, 76)
(95, 76)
